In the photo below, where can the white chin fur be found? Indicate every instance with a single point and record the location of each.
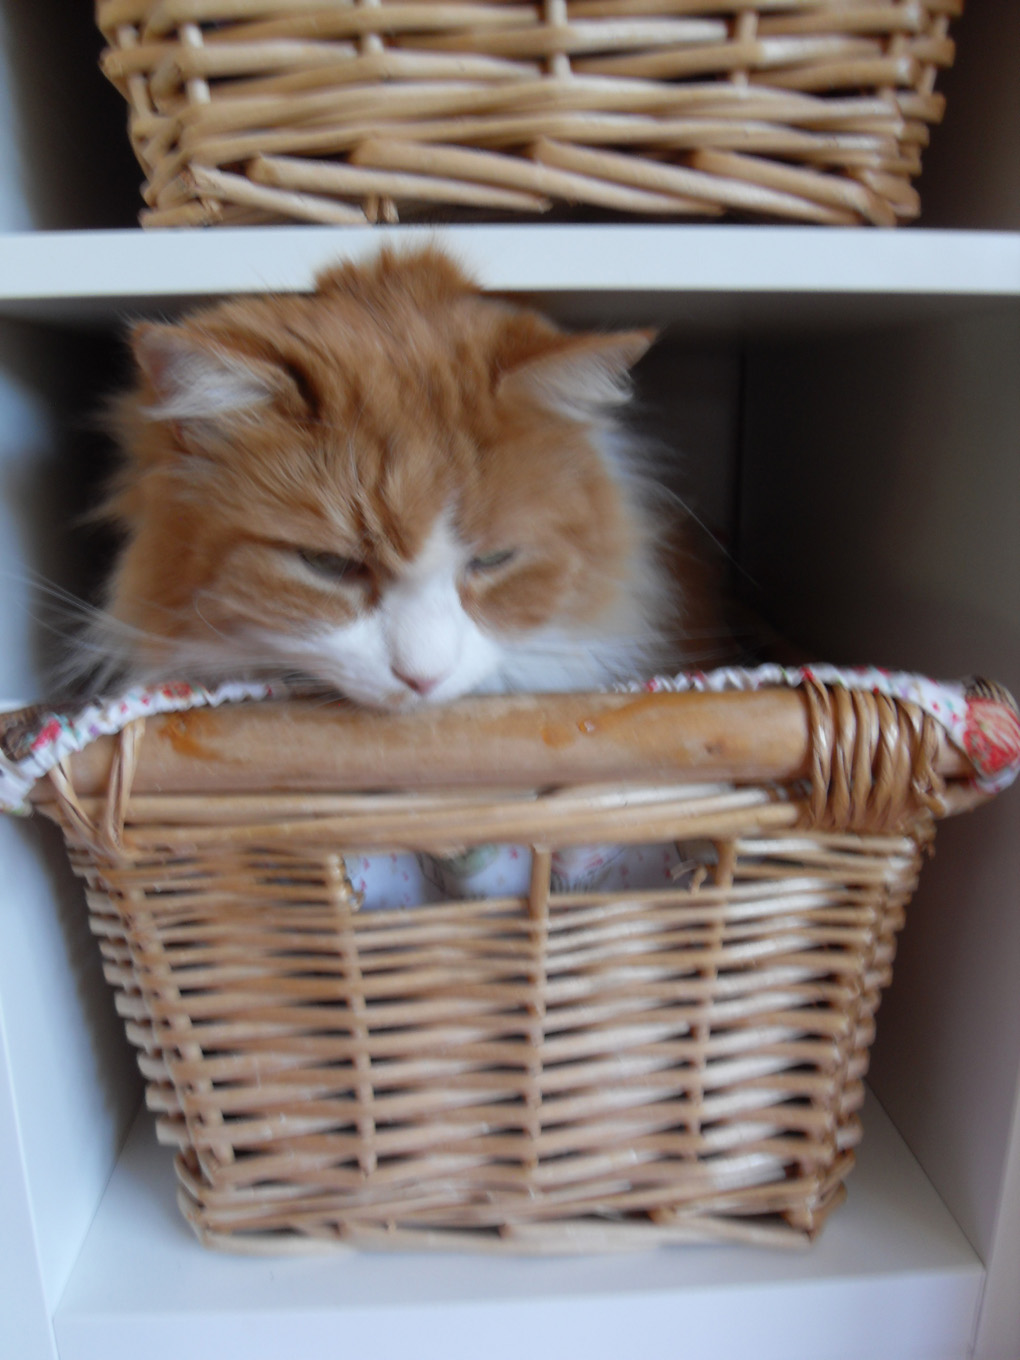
(346, 660)
(365, 674)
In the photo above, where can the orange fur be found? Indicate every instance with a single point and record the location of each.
(350, 422)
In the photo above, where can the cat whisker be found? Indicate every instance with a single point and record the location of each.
(670, 494)
(208, 596)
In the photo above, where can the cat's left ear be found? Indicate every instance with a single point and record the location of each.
(579, 375)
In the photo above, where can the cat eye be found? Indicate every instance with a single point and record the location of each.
(336, 567)
(492, 561)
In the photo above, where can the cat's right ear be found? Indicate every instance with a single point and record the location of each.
(195, 382)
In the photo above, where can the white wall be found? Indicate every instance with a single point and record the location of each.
(61, 1046)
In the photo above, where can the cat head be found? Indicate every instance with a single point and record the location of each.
(395, 484)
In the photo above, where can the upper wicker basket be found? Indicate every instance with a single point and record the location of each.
(354, 111)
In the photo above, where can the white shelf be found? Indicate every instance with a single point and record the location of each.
(694, 273)
(891, 1278)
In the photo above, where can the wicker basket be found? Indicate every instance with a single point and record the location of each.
(569, 1069)
(347, 111)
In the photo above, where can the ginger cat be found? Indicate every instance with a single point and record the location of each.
(395, 485)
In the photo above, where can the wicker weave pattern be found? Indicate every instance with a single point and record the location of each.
(568, 1071)
(347, 111)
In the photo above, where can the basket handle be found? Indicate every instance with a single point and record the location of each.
(872, 762)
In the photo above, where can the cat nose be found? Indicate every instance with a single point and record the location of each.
(420, 684)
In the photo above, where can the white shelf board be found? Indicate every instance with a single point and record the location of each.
(891, 1278)
(673, 273)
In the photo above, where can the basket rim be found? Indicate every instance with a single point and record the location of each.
(977, 720)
